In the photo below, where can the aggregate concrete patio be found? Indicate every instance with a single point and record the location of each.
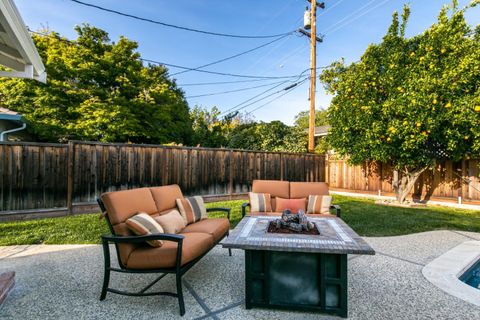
(63, 282)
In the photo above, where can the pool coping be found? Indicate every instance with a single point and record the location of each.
(444, 272)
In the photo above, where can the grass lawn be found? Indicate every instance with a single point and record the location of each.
(366, 218)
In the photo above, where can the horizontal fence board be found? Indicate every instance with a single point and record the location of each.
(35, 175)
(32, 176)
(448, 179)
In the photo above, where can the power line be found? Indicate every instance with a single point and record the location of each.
(271, 49)
(330, 8)
(230, 91)
(297, 50)
(220, 82)
(276, 98)
(230, 82)
(290, 87)
(177, 26)
(238, 106)
(234, 56)
(217, 73)
(175, 65)
(357, 17)
(348, 16)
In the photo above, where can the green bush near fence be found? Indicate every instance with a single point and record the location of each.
(365, 217)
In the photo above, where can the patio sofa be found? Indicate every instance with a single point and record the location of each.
(177, 253)
(288, 190)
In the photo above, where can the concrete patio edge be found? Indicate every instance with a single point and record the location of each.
(430, 202)
(444, 271)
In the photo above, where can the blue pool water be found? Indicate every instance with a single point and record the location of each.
(472, 276)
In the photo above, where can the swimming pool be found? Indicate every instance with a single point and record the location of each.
(472, 276)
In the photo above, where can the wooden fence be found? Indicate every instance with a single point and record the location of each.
(40, 176)
(36, 177)
(448, 180)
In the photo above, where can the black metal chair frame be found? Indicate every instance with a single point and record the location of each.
(179, 270)
(334, 206)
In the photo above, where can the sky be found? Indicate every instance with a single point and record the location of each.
(348, 26)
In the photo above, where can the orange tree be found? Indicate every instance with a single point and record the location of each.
(410, 101)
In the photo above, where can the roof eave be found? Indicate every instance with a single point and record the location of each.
(14, 27)
(11, 117)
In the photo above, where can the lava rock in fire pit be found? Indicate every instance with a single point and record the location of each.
(297, 222)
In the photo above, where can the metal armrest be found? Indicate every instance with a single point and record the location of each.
(337, 209)
(138, 239)
(227, 210)
(244, 208)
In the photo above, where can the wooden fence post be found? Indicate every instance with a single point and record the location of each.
(281, 166)
(465, 175)
(326, 168)
(380, 178)
(230, 182)
(70, 169)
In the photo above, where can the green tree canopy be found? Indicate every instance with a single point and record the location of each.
(302, 124)
(267, 136)
(410, 101)
(99, 90)
(302, 118)
(208, 129)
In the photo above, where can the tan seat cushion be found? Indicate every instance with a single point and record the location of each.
(305, 189)
(171, 222)
(194, 245)
(275, 188)
(121, 205)
(216, 227)
(165, 197)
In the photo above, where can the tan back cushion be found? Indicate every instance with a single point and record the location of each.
(121, 205)
(305, 189)
(165, 197)
(275, 188)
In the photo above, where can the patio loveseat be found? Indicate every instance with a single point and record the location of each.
(176, 253)
(277, 189)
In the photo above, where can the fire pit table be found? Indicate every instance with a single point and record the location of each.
(297, 271)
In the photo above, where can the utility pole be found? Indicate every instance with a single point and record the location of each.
(313, 78)
(312, 24)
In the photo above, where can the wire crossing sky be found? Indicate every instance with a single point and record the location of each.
(210, 33)
(230, 53)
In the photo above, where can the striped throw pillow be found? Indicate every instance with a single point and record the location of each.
(319, 204)
(192, 209)
(143, 224)
(260, 202)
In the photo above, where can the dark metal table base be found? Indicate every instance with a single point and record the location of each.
(296, 281)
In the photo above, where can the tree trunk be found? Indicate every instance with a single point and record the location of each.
(403, 185)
